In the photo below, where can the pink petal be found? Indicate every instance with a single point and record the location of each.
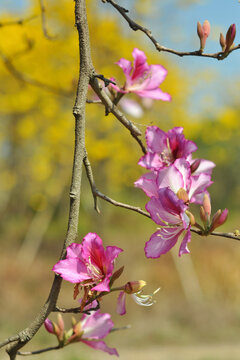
(74, 250)
(104, 285)
(151, 161)
(162, 241)
(148, 184)
(198, 187)
(155, 139)
(205, 166)
(170, 177)
(101, 345)
(121, 303)
(96, 325)
(126, 66)
(158, 74)
(71, 269)
(93, 249)
(183, 247)
(156, 94)
(140, 66)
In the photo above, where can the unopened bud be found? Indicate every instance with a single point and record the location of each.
(60, 322)
(203, 32)
(133, 287)
(203, 215)
(219, 219)
(49, 326)
(182, 195)
(222, 42)
(195, 165)
(230, 36)
(207, 205)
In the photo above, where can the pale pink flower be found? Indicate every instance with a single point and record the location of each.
(141, 78)
(88, 264)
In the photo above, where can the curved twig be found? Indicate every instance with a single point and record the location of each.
(134, 26)
(27, 353)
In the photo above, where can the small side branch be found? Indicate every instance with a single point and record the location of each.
(44, 23)
(134, 26)
(221, 234)
(36, 352)
(96, 193)
(111, 107)
(17, 22)
(9, 340)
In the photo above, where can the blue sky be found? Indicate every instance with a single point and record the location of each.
(175, 27)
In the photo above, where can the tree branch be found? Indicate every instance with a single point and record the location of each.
(27, 353)
(44, 24)
(111, 107)
(85, 72)
(17, 22)
(134, 26)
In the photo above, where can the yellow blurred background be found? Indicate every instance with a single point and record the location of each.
(197, 312)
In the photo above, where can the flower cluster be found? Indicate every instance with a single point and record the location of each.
(175, 180)
(90, 330)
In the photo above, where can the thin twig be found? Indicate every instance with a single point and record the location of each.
(121, 328)
(27, 353)
(111, 107)
(76, 310)
(26, 79)
(44, 23)
(17, 22)
(134, 26)
(222, 234)
(96, 193)
(9, 340)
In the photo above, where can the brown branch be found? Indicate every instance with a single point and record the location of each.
(222, 234)
(27, 353)
(76, 310)
(96, 193)
(134, 26)
(111, 107)
(17, 22)
(85, 72)
(9, 340)
(44, 23)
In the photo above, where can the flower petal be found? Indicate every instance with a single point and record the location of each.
(183, 247)
(121, 303)
(162, 241)
(101, 345)
(148, 184)
(96, 325)
(72, 269)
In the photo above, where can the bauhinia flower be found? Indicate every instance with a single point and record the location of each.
(163, 148)
(89, 330)
(177, 177)
(88, 263)
(134, 288)
(141, 78)
(168, 211)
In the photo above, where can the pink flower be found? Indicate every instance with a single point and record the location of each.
(176, 177)
(168, 211)
(163, 148)
(88, 264)
(95, 327)
(89, 330)
(141, 78)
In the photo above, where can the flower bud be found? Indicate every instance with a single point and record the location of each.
(203, 215)
(219, 219)
(133, 287)
(195, 165)
(203, 32)
(230, 36)
(49, 326)
(222, 41)
(207, 205)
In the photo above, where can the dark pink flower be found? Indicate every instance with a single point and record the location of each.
(88, 264)
(141, 78)
(163, 148)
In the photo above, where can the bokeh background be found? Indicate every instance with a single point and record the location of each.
(197, 314)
